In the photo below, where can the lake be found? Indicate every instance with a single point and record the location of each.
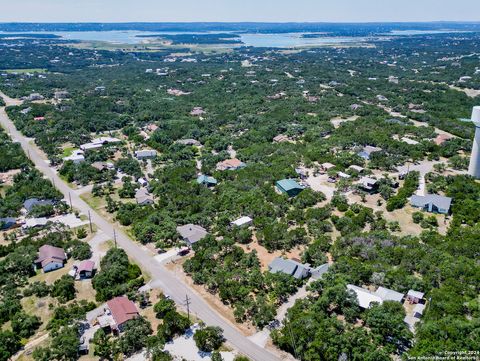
(280, 40)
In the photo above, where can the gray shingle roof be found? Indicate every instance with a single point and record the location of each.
(438, 201)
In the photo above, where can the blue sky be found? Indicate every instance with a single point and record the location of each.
(238, 10)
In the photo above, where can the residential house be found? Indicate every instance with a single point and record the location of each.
(389, 295)
(432, 203)
(206, 180)
(242, 221)
(121, 310)
(7, 223)
(281, 138)
(230, 164)
(289, 187)
(145, 154)
(98, 143)
(189, 142)
(197, 111)
(414, 297)
(327, 166)
(50, 258)
(441, 138)
(368, 184)
(319, 271)
(367, 152)
(290, 267)
(191, 233)
(356, 168)
(143, 197)
(35, 222)
(76, 157)
(61, 94)
(31, 203)
(35, 96)
(366, 297)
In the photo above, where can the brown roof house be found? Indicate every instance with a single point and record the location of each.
(230, 164)
(121, 310)
(50, 258)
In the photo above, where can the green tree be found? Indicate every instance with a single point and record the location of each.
(209, 338)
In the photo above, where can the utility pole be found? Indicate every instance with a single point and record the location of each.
(115, 237)
(70, 198)
(187, 303)
(90, 221)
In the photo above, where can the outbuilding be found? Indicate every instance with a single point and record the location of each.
(289, 187)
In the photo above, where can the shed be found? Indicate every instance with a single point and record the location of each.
(86, 269)
(242, 221)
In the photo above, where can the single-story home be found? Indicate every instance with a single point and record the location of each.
(368, 184)
(50, 258)
(356, 168)
(414, 296)
(30, 203)
(367, 151)
(242, 221)
(281, 138)
(7, 223)
(206, 180)
(389, 295)
(432, 203)
(319, 271)
(76, 157)
(366, 297)
(290, 267)
(289, 187)
(35, 222)
(145, 154)
(122, 310)
(143, 197)
(327, 166)
(86, 269)
(193, 142)
(230, 164)
(191, 233)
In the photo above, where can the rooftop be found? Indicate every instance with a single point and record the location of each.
(122, 309)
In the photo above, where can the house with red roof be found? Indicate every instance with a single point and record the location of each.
(86, 269)
(50, 258)
(121, 310)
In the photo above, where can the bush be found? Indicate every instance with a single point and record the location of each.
(81, 251)
(209, 338)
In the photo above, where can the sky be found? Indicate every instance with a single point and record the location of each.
(238, 10)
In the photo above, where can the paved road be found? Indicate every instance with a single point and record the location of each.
(161, 277)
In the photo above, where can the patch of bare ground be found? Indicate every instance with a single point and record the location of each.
(246, 328)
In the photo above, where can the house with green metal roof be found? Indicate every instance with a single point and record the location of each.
(289, 186)
(206, 180)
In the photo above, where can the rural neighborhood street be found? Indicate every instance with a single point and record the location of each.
(165, 279)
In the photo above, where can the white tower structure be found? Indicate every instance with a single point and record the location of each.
(474, 168)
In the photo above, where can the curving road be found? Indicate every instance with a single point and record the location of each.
(161, 277)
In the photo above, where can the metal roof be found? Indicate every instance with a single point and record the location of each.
(438, 201)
